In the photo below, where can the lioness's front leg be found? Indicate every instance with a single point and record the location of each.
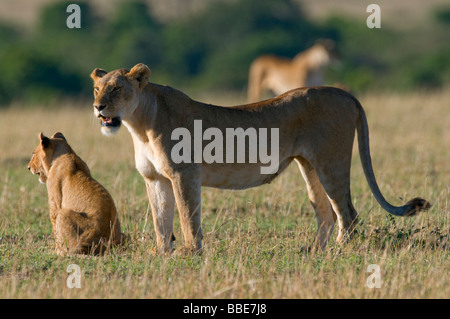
(162, 202)
(187, 190)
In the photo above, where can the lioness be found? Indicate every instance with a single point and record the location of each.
(316, 129)
(82, 212)
(281, 74)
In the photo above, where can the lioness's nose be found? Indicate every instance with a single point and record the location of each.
(99, 107)
(29, 167)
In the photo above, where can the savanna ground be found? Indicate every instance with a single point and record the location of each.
(252, 238)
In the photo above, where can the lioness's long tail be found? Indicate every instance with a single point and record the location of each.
(412, 207)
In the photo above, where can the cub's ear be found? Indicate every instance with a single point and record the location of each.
(59, 135)
(141, 73)
(98, 73)
(45, 141)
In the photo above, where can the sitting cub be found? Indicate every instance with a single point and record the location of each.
(82, 212)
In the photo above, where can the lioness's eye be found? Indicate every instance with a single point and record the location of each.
(96, 89)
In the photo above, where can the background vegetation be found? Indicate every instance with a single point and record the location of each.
(211, 48)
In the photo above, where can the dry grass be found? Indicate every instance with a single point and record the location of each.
(252, 238)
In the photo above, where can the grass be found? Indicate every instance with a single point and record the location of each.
(253, 238)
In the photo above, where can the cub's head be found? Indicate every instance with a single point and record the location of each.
(43, 155)
(117, 95)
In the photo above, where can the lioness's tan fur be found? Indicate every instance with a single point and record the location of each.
(82, 212)
(270, 72)
(316, 129)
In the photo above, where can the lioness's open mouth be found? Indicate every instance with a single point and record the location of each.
(109, 121)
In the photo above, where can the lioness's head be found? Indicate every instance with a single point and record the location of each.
(117, 94)
(44, 153)
(327, 51)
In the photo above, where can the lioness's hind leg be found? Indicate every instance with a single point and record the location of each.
(256, 75)
(324, 213)
(347, 216)
(336, 182)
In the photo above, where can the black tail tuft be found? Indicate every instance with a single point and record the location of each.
(415, 206)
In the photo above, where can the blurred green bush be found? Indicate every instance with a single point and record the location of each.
(211, 49)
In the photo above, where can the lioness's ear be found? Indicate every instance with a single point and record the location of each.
(45, 141)
(141, 73)
(327, 43)
(98, 73)
(59, 135)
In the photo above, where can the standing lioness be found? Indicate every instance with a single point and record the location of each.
(316, 129)
(282, 74)
(82, 212)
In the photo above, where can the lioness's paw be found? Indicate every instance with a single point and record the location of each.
(187, 251)
(160, 251)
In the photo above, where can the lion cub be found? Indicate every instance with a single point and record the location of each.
(82, 212)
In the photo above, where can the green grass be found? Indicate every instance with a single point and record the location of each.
(254, 238)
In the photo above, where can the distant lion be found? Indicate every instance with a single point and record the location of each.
(82, 212)
(269, 72)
